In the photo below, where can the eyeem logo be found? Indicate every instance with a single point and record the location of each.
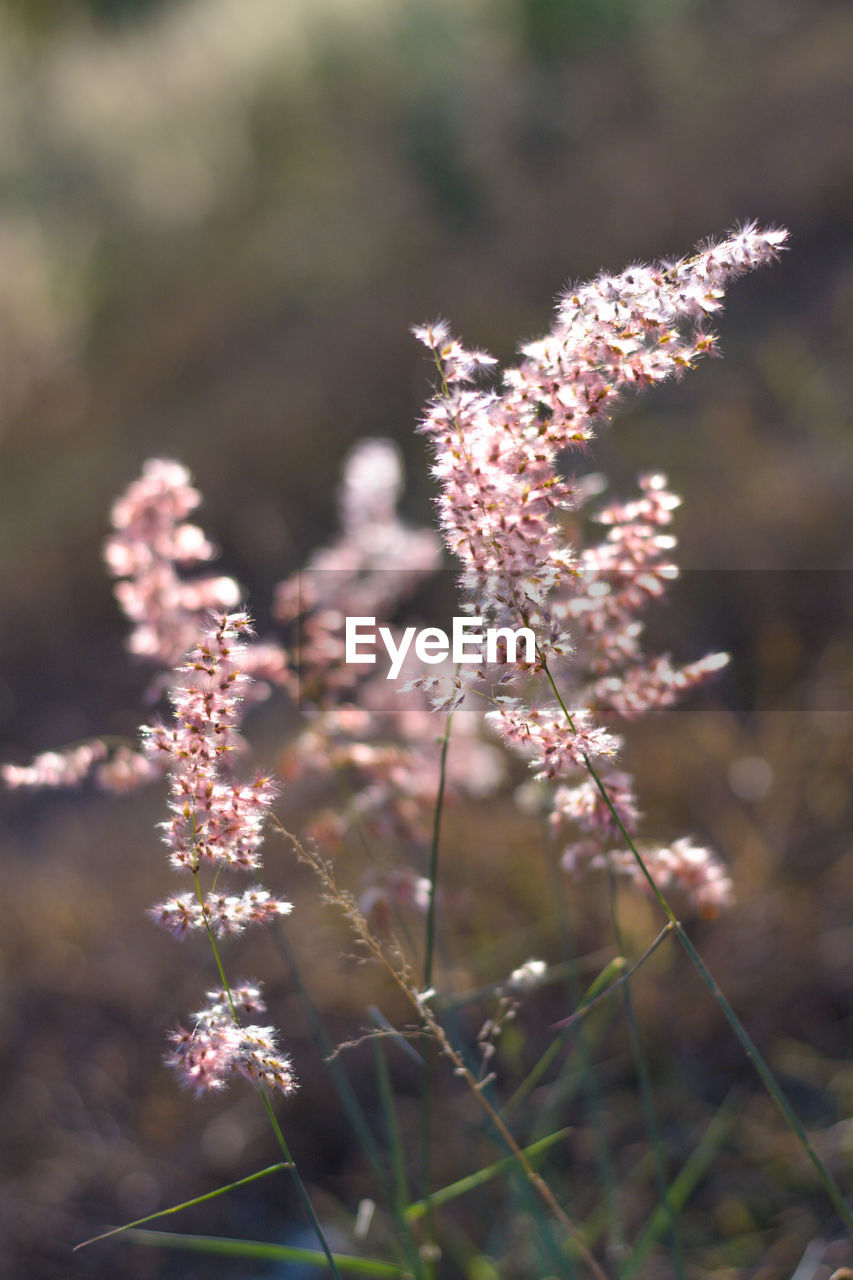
(466, 643)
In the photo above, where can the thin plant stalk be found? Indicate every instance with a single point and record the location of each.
(747, 1043)
(399, 1195)
(451, 1192)
(646, 1096)
(590, 1086)
(351, 1106)
(589, 1002)
(433, 1027)
(276, 1127)
(350, 1103)
(595, 996)
(429, 951)
(186, 1204)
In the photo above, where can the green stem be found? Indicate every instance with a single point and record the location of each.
(595, 996)
(473, 1180)
(186, 1204)
(646, 1095)
(750, 1048)
(433, 857)
(222, 1246)
(591, 1090)
(429, 952)
(300, 1186)
(437, 1031)
(348, 1098)
(297, 1179)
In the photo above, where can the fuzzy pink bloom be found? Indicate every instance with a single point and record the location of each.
(225, 913)
(689, 873)
(375, 562)
(583, 807)
(204, 1057)
(496, 451)
(501, 490)
(125, 770)
(693, 878)
(150, 552)
(55, 768)
(217, 820)
(151, 548)
(151, 542)
(617, 579)
(543, 734)
(218, 1047)
(214, 818)
(386, 747)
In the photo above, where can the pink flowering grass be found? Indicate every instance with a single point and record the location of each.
(377, 764)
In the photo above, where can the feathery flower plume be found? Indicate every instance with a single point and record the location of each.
(151, 542)
(55, 768)
(216, 822)
(152, 545)
(496, 459)
(219, 1045)
(496, 451)
(373, 565)
(151, 548)
(385, 748)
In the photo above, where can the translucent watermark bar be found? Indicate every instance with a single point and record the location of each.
(788, 632)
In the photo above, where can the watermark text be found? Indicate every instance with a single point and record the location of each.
(468, 642)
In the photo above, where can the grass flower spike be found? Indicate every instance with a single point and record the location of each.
(498, 456)
(217, 822)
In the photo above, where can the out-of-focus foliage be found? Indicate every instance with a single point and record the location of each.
(219, 219)
(212, 206)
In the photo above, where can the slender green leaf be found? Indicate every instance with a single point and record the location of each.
(187, 1204)
(227, 1247)
(473, 1180)
(682, 1187)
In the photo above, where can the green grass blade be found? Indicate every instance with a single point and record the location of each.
(682, 1187)
(395, 1148)
(187, 1204)
(615, 967)
(399, 1194)
(340, 1079)
(227, 1247)
(645, 1082)
(473, 1180)
(748, 1045)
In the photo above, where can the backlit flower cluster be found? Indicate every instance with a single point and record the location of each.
(496, 451)
(498, 462)
(375, 563)
(216, 823)
(151, 547)
(381, 748)
(150, 550)
(221, 1045)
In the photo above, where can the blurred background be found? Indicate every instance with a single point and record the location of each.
(218, 220)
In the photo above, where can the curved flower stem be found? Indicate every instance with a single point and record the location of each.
(177, 1208)
(590, 1086)
(429, 948)
(276, 1127)
(644, 1080)
(433, 858)
(421, 1005)
(748, 1044)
